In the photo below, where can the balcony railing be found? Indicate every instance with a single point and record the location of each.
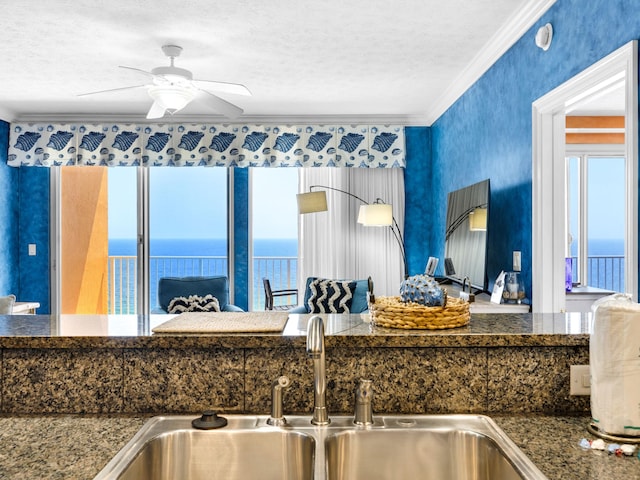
(604, 271)
(281, 271)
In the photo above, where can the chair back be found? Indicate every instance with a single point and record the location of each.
(171, 287)
(268, 294)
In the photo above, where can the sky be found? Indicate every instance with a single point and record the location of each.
(606, 194)
(191, 202)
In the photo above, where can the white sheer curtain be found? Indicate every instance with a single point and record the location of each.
(333, 245)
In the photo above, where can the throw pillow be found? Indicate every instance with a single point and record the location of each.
(6, 304)
(194, 303)
(330, 296)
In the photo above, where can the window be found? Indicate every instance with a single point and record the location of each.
(187, 227)
(187, 224)
(596, 219)
(122, 266)
(275, 231)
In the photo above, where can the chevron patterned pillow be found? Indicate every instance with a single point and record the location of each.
(330, 296)
(194, 303)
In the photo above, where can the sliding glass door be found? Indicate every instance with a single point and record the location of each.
(275, 232)
(103, 215)
(187, 224)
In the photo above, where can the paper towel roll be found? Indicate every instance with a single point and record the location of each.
(614, 351)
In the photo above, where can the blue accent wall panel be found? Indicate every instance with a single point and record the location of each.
(420, 214)
(8, 219)
(34, 282)
(241, 235)
(487, 132)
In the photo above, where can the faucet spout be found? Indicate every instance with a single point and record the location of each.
(277, 416)
(316, 351)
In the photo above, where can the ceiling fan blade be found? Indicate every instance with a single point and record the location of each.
(156, 111)
(219, 105)
(110, 90)
(144, 72)
(226, 87)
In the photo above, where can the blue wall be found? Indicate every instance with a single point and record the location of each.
(241, 236)
(34, 228)
(8, 219)
(419, 223)
(24, 219)
(487, 132)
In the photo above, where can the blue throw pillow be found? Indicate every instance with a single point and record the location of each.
(330, 296)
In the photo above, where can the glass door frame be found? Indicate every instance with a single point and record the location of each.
(142, 238)
(583, 153)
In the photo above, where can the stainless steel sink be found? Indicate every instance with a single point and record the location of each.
(438, 448)
(396, 447)
(169, 448)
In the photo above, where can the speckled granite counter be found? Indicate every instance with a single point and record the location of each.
(505, 363)
(132, 331)
(77, 447)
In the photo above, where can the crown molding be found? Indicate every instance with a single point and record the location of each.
(517, 25)
(6, 114)
(405, 120)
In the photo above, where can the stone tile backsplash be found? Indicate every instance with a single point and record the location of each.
(510, 379)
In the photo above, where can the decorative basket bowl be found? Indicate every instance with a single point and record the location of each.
(392, 312)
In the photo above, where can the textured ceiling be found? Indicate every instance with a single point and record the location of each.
(354, 58)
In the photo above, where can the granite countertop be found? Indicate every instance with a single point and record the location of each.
(78, 447)
(356, 330)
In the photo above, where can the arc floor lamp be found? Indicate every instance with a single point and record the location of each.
(376, 214)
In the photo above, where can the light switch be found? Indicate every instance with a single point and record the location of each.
(517, 265)
(580, 380)
(32, 249)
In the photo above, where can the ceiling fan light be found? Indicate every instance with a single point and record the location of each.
(171, 97)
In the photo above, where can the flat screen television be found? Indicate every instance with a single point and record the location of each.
(466, 235)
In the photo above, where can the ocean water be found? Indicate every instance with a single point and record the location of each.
(606, 263)
(602, 246)
(165, 261)
(262, 247)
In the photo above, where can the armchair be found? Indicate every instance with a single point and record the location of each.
(359, 304)
(172, 287)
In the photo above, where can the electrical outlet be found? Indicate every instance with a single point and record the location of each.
(517, 265)
(580, 379)
(32, 249)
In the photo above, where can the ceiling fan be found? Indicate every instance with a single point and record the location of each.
(173, 88)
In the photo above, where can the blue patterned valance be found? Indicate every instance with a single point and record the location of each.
(361, 146)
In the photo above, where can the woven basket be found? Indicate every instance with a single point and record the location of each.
(392, 312)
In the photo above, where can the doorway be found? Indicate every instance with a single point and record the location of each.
(549, 236)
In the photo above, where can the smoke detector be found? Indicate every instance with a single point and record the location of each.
(544, 36)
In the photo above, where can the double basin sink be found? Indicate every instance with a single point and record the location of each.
(434, 447)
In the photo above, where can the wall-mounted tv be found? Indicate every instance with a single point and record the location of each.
(466, 235)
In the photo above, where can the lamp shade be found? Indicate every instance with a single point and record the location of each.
(376, 215)
(312, 202)
(478, 220)
(171, 97)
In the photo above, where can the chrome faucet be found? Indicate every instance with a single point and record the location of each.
(315, 350)
(364, 395)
